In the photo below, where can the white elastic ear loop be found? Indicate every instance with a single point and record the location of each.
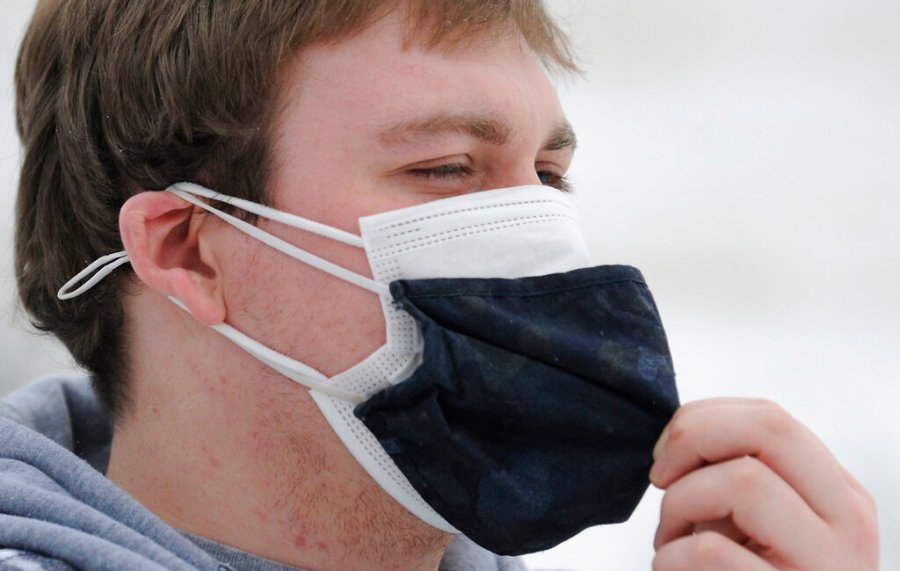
(290, 368)
(270, 213)
(103, 266)
(279, 244)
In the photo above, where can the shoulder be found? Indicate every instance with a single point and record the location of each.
(65, 410)
(59, 513)
(15, 560)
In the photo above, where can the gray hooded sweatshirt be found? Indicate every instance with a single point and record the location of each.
(59, 512)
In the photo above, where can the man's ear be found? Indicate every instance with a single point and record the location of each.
(164, 238)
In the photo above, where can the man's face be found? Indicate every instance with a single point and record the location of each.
(366, 126)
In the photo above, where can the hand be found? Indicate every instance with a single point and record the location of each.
(750, 488)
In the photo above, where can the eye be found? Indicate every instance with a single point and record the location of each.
(554, 179)
(452, 171)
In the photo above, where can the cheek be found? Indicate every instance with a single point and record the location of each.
(301, 311)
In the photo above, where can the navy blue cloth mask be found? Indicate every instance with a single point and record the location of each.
(537, 405)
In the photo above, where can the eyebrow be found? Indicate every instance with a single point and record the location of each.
(561, 137)
(487, 129)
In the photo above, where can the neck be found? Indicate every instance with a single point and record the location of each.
(228, 450)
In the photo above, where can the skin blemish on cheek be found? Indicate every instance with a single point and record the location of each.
(322, 546)
(211, 457)
(300, 540)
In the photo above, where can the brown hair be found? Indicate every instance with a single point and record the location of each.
(118, 96)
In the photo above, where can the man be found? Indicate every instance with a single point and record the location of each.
(332, 111)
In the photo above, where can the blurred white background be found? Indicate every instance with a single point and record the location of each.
(746, 156)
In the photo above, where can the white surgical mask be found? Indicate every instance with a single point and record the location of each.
(507, 233)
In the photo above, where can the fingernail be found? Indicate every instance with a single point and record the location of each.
(659, 456)
(660, 449)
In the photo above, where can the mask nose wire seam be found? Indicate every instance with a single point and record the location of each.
(285, 247)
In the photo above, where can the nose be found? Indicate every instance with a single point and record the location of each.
(521, 175)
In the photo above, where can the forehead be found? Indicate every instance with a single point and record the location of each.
(383, 75)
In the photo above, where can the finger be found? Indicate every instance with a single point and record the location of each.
(723, 527)
(726, 527)
(762, 506)
(855, 484)
(722, 429)
(707, 551)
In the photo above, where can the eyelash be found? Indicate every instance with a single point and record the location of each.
(450, 171)
(557, 181)
(456, 171)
